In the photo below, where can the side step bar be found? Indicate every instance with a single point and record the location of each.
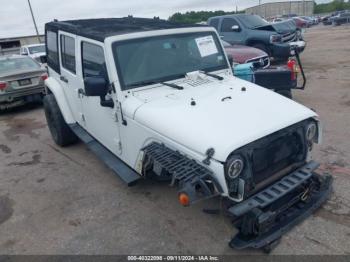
(126, 173)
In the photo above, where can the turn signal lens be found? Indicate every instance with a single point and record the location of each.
(44, 77)
(184, 199)
(3, 86)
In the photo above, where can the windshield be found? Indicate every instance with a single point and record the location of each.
(37, 49)
(14, 64)
(253, 21)
(163, 58)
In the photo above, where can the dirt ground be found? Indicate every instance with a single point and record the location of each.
(65, 201)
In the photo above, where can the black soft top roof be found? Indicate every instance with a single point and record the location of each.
(99, 29)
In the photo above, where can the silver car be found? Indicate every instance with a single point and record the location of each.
(21, 80)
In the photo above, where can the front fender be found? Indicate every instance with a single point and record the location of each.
(56, 89)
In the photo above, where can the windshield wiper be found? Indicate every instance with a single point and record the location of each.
(143, 83)
(155, 81)
(213, 75)
(173, 86)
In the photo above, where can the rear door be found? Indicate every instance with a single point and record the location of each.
(228, 34)
(68, 75)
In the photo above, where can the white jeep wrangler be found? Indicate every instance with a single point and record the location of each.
(155, 99)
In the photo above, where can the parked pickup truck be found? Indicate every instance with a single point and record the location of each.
(252, 30)
(253, 65)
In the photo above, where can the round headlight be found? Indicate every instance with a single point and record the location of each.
(311, 131)
(235, 166)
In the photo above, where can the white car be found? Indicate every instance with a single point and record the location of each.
(157, 100)
(35, 51)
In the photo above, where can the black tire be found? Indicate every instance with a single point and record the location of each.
(60, 131)
(286, 93)
(263, 48)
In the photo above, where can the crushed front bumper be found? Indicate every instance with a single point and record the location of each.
(265, 217)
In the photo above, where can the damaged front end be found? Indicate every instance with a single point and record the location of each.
(280, 188)
(195, 182)
(270, 184)
(264, 217)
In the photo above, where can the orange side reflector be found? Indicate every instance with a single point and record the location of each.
(184, 199)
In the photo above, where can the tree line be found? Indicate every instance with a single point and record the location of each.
(192, 17)
(335, 5)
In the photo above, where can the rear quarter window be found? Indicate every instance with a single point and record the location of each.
(52, 51)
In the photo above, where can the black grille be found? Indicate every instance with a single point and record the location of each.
(268, 158)
(276, 155)
(289, 37)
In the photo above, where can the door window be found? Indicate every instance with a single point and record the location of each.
(214, 23)
(93, 61)
(227, 24)
(68, 53)
(52, 51)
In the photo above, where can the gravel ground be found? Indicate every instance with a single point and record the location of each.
(65, 201)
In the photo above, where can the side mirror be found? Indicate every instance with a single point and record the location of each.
(236, 28)
(95, 86)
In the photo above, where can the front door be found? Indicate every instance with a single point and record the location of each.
(68, 77)
(101, 122)
(230, 35)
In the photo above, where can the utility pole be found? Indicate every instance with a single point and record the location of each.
(36, 28)
(260, 11)
(235, 4)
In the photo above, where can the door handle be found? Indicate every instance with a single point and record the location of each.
(222, 37)
(81, 92)
(62, 78)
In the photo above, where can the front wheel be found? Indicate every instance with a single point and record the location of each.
(60, 131)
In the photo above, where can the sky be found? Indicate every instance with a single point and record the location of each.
(16, 19)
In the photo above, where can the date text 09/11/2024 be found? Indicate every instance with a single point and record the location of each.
(173, 258)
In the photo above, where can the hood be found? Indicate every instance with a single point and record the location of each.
(222, 116)
(283, 27)
(241, 53)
